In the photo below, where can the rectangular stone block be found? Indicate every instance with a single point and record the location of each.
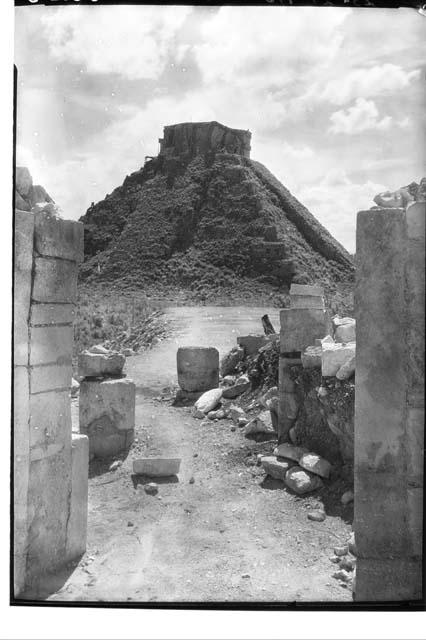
(415, 442)
(48, 498)
(23, 261)
(415, 520)
(386, 580)
(50, 377)
(49, 314)
(306, 302)
(50, 419)
(415, 215)
(21, 467)
(58, 238)
(252, 343)
(157, 467)
(381, 515)
(55, 280)
(77, 522)
(93, 365)
(107, 414)
(334, 356)
(306, 290)
(301, 327)
(381, 372)
(51, 345)
(21, 411)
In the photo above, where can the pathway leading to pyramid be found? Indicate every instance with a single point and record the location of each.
(228, 535)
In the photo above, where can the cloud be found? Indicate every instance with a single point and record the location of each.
(335, 201)
(365, 83)
(363, 116)
(267, 47)
(115, 39)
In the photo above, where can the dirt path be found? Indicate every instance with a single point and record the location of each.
(230, 535)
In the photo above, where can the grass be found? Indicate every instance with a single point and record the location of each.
(115, 318)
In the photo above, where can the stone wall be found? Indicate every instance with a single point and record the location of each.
(389, 403)
(49, 527)
(192, 138)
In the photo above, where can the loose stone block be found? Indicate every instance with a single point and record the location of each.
(252, 343)
(300, 481)
(50, 377)
(55, 280)
(334, 356)
(300, 328)
(306, 302)
(315, 464)
(260, 424)
(76, 534)
(347, 369)
(50, 419)
(276, 468)
(198, 368)
(23, 241)
(157, 467)
(289, 451)
(58, 238)
(93, 365)
(344, 330)
(107, 414)
(208, 401)
(49, 314)
(241, 385)
(51, 345)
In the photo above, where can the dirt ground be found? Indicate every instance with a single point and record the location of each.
(221, 530)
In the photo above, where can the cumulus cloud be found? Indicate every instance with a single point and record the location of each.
(364, 83)
(335, 201)
(115, 39)
(363, 116)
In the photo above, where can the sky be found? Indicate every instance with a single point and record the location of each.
(334, 97)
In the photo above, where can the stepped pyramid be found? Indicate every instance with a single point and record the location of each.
(204, 216)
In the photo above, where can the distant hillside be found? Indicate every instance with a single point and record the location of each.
(203, 217)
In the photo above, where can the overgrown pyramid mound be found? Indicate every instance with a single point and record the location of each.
(203, 216)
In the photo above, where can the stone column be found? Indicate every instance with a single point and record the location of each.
(305, 321)
(389, 403)
(47, 252)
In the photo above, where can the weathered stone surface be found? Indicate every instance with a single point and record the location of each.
(306, 290)
(107, 414)
(50, 377)
(50, 419)
(23, 260)
(157, 467)
(334, 356)
(252, 343)
(347, 497)
(344, 329)
(58, 238)
(198, 368)
(300, 328)
(55, 280)
(260, 424)
(306, 302)
(289, 451)
(76, 534)
(151, 488)
(415, 440)
(241, 385)
(230, 361)
(311, 358)
(315, 464)
(300, 481)
(49, 314)
(208, 401)
(276, 468)
(96, 365)
(23, 181)
(316, 515)
(99, 348)
(75, 387)
(388, 580)
(271, 393)
(51, 345)
(347, 369)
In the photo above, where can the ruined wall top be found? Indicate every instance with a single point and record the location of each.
(194, 138)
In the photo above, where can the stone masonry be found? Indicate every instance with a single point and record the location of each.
(389, 403)
(50, 498)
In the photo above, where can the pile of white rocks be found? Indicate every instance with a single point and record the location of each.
(301, 470)
(334, 355)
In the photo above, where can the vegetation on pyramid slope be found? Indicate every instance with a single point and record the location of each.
(200, 218)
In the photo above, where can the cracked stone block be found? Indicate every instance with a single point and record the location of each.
(198, 368)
